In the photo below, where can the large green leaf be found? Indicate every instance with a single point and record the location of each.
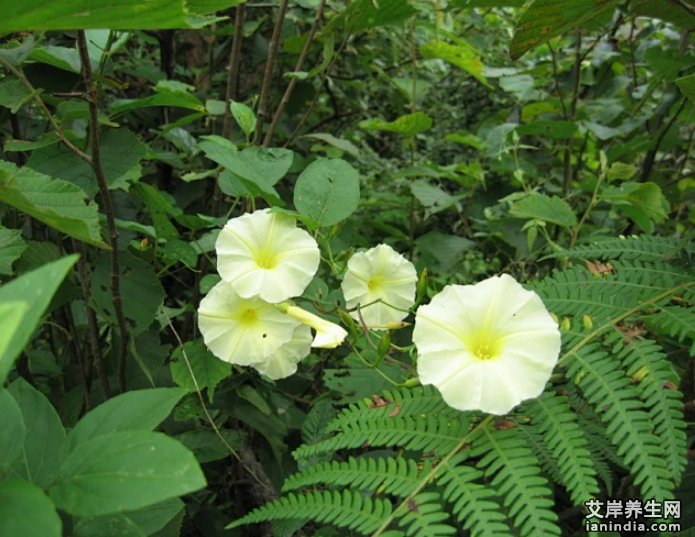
(38, 15)
(253, 171)
(327, 191)
(44, 446)
(687, 86)
(12, 432)
(11, 248)
(137, 410)
(167, 93)
(140, 523)
(544, 19)
(668, 10)
(407, 125)
(208, 370)
(547, 208)
(486, 3)
(361, 15)
(54, 202)
(26, 511)
(29, 296)
(141, 290)
(644, 203)
(124, 471)
(463, 55)
(121, 152)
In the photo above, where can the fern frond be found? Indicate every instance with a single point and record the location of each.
(514, 470)
(655, 380)
(576, 291)
(674, 321)
(348, 509)
(564, 438)
(397, 476)
(475, 505)
(424, 517)
(609, 390)
(437, 434)
(404, 402)
(643, 247)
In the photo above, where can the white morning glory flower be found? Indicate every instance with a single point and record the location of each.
(328, 335)
(242, 331)
(283, 362)
(382, 283)
(486, 346)
(264, 254)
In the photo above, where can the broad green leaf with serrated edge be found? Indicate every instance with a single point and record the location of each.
(13, 431)
(11, 248)
(137, 410)
(407, 125)
(151, 467)
(208, 370)
(37, 15)
(462, 54)
(644, 203)
(14, 94)
(547, 208)
(31, 292)
(44, 446)
(26, 511)
(121, 152)
(58, 204)
(328, 191)
(544, 19)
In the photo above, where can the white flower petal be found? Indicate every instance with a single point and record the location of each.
(239, 330)
(264, 254)
(283, 362)
(328, 335)
(382, 283)
(487, 346)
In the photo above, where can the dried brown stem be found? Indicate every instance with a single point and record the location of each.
(293, 82)
(268, 71)
(94, 142)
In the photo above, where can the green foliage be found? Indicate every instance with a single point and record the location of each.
(493, 476)
(57, 203)
(118, 14)
(423, 125)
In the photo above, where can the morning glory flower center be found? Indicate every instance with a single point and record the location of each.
(485, 346)
(266, 259)
(248, 317)
(375, 283)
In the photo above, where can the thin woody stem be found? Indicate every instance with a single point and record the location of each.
(268, 72)
(293, 82)
(94, 142)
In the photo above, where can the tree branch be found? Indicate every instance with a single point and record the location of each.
(95, 141)
(293, 82)
(268, 72)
